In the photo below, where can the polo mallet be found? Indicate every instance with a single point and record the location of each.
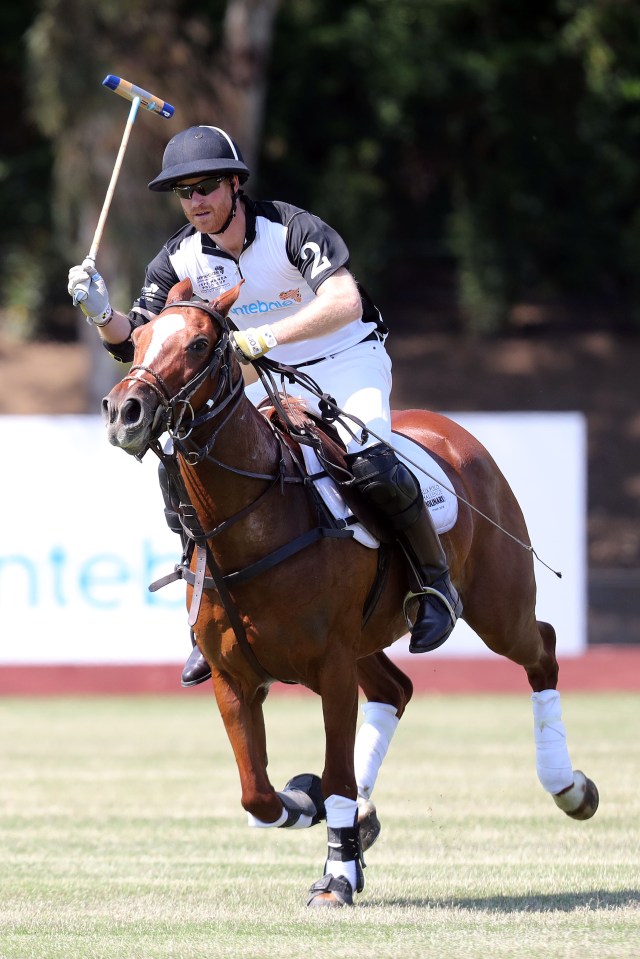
(155, 105)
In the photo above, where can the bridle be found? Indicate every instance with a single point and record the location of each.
(225, 397)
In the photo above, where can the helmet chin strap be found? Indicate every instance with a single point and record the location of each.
(232, 213)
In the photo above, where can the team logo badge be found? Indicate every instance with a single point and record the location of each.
(213, 281)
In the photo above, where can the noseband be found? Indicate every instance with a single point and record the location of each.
(226, 394)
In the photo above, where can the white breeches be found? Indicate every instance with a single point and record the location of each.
(359, 380)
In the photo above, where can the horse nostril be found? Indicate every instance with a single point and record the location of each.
(108, 411)
(131, 412)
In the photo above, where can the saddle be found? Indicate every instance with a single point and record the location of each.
(298, 426)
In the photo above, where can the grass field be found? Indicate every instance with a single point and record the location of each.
(121, 835)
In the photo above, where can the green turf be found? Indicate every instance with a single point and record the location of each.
(121, 835)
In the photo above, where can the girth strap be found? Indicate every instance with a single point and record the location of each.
(282, 553)
(182, 570)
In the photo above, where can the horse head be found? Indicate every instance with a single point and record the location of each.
(182, 358)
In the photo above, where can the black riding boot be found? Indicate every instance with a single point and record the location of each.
(393, 491)
(196, 669)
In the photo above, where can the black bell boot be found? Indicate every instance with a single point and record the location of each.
(196, 669)
(391, 488)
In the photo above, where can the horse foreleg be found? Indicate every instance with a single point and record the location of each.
(300, 803)
(576, 795)
(244, 723)
(343, 874)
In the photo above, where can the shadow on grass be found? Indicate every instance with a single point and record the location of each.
(593, 900)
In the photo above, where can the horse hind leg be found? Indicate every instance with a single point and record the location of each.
(388, 690)
(372, 742)
(571, 790)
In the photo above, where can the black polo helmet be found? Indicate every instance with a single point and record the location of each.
(199, 150)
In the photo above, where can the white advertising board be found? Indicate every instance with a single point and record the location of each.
(83, 535)
(543, 456)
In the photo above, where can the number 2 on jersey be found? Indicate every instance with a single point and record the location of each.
(320, 262)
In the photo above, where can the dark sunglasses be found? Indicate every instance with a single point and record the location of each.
(203, 188)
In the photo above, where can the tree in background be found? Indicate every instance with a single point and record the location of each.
(208, 59)
(25, 183)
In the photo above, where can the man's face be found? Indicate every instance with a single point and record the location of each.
(207, 213)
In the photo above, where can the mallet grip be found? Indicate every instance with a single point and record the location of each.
(130, 91)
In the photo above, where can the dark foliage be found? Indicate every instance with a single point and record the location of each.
(481, 150)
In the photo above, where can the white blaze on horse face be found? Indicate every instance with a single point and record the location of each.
(164, 327)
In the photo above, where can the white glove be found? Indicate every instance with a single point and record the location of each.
(87, 288)
(250, 344)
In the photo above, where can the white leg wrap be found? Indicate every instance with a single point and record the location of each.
(372, 743)
(552, 757)
(259, 824)
(341, 812)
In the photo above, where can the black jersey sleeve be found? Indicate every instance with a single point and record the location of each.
(123, 352)
(158, 280)
(314, 248)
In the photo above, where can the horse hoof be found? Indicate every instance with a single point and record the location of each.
(581, 800)
(326, 901)
(330, 892)
(368, 822)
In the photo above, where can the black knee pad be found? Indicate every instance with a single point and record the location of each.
(387, 483)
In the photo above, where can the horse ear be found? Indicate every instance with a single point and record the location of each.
(181, 291)
(225, 301)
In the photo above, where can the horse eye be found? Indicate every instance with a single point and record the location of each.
(199, 345)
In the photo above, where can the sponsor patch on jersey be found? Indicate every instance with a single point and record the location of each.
(259, 306)
(291, 295)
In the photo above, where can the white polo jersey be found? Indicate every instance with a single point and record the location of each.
(287, 255)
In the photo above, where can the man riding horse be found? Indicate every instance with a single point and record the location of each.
(295, 273)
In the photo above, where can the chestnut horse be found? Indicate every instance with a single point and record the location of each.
(295, 616)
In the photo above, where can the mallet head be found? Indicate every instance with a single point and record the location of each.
(130, 91)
